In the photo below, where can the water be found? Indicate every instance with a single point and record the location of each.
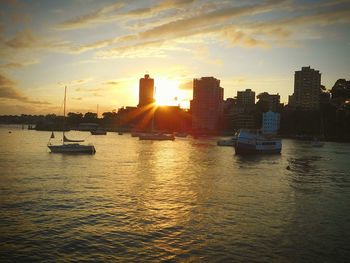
(187, 200)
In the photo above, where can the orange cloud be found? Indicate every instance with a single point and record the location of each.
(9, 91)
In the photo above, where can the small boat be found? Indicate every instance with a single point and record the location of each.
(137, 134)
(253, 142)
(156, 137)
(72, 148)
(317, 143)
(68, 145)
(180, 134)
(229, 142)
(98, 132)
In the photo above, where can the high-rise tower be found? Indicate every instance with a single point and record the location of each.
(307, 89)
(146, 91)
(207, 104)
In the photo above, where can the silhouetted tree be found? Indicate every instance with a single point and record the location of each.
(74, 119)
(90, 117)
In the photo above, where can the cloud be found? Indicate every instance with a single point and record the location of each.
(8, 90)
(113, 12)
(95, 17)
(111, 82)
(22, 39)
(188, 85)
(217, 22)
(16, 65)
(203, 23)
(143, 49)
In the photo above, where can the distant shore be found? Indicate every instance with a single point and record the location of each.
(305, 137)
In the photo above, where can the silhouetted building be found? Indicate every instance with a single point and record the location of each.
(172, 119)
(207, 104)
(272, 100)
(243, 121)
(325, 97)
(270, 122)
(243, 112)
(246, 99)
(307, 89)
(229, 107)
(146, 91)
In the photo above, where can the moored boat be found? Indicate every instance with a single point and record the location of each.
(253, 142)
(72, 148)
(157, 137)
(228, 142)
(69, 145)
(180, 134)
(98, 132)
(317, 143)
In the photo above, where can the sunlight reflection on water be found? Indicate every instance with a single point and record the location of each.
(184, 200)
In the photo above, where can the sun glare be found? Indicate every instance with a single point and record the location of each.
(167, 92)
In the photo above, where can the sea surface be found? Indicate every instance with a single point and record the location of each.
(186, 200)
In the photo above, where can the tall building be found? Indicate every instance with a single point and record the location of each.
(207, 104)
(272, 100)
(245, 99)
(270, 122)
(146, 91)
(307, 89)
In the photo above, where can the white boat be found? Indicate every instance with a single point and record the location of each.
(98, 131)
(180, 134)
(253, 142)
(137, 134)
(72, 148)
(228, 142)
(317, 143)
(68, 145)
(156, 137)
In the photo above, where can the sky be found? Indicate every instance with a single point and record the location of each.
(100, 49)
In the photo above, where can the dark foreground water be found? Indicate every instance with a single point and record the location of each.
(187, 200)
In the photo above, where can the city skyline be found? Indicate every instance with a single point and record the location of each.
(100, 49)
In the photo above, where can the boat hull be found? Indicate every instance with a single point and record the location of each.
(242, 148)
(253, 142)
(155, 137)
(72, 148)
(230, 142)
(98, 132)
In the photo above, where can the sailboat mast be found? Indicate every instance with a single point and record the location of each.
(64, 111)
(154, 109)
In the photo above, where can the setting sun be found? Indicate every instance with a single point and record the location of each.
(167, 91)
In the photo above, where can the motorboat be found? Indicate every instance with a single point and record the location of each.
(317, 143)
(72, 148)
(98, 132)
(228, 142)
(180, 134)
(254, 142)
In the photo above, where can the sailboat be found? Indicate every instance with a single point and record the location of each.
(68, 145)
(99, 130)
(156, 136)
(316, 142)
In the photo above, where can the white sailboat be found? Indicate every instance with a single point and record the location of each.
(156, 136)
(316, 142)
(68, 145)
